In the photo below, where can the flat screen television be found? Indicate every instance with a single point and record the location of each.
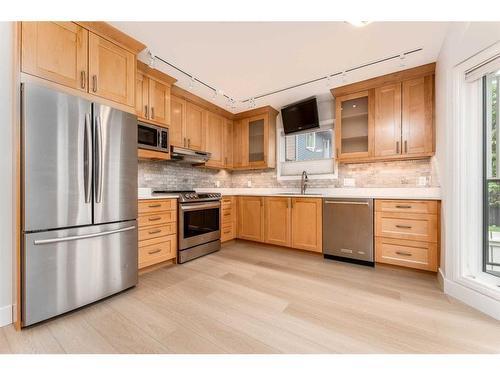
(300, 116)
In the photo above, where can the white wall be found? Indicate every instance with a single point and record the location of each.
(6, 175)
(463, 40)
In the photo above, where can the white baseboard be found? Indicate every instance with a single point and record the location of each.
(479, 301)
(5, 315)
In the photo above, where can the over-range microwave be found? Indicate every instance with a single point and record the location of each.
(152, 137)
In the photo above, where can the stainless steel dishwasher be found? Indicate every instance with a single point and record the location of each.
(348, 230)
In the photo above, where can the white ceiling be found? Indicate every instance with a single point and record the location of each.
(246, 59)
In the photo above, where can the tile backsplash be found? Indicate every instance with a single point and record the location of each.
(174, 176)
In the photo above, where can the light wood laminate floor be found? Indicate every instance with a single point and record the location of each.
(252, 298)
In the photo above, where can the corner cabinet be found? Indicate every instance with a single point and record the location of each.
(386, 118)
(83, 59)
(214, 136)
(254, 139)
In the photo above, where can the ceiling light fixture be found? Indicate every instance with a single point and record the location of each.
(151, 59)
(359, 23)
(402, 62)
(498, 73)
(344, 76)
(192, 82)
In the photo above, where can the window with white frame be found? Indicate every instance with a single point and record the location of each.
(310, 151)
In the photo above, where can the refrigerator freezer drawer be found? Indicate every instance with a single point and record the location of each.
(67, 269)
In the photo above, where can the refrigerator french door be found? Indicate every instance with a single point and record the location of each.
(79, 203)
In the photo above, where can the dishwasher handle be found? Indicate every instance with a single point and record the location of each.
(348, 202)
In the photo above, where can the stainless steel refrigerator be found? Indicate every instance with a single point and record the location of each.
(79, 202)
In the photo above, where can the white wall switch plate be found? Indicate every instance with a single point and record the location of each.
(422, 181)
(249, 183)
(217, 183)
(349, 182)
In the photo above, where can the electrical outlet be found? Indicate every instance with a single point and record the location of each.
(217, 183)
(249, 183)
(349, 182)
(422, 181)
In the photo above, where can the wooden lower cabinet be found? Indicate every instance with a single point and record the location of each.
(157, 223)
(228, 218)
(282, 221)
(277, 219)
(407, 233)
(307, 219)
(251, 218)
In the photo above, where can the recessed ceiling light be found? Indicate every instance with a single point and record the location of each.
(498, 72)
(359, 23)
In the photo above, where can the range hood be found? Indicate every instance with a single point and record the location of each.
(185, 155)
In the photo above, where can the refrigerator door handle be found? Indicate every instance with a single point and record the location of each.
(74, 238)
(98, 159)
(86, 159)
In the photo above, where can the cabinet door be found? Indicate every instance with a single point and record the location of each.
(141, 96)
(257, 140)
(240, 146)
(177, 126)
(159, 102)
(111, 71)
(194, 126)
(388, 120)
(307, 224)
(418, 116)
(214, 136)
(354, 126)
(251, 218)
(228, 144)
(56, 51)
(277, 219)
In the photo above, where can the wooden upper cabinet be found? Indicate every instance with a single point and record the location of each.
(251, 218)
(402, 113)
(307, 224)
(214, 137)
(354, 125)
(55, 51)
(417, 117)
(159, 102)
(388, 120)
(111, 71)
(277, 219)
(141, 95)
(195, 117)
(177, 126)
(254, 134)
(228, 143)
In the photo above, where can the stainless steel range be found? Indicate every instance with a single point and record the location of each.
(199, 224)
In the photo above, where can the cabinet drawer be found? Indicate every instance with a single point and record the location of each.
(406, 206)
(156, 205)
(414, 254)
(419, 227)
(157, 231)
(151, 252)
(227, 216)
(157, 219)
(227, 233)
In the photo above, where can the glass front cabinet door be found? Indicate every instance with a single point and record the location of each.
(257, 140)
(354, 126)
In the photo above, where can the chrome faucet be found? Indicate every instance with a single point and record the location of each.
(303, 183)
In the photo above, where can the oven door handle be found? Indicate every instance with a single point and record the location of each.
(199, 206)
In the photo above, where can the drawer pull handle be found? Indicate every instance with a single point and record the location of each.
(227, 231)
(154, 205)
(155, 218)
(403, 226)
(227, 213)
(154, 251)
(403, 253)
(154, 231)
(403, 206)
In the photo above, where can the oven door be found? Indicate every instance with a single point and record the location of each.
(199, 223)
(148, 137)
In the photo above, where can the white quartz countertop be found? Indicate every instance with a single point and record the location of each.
(388, 193)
